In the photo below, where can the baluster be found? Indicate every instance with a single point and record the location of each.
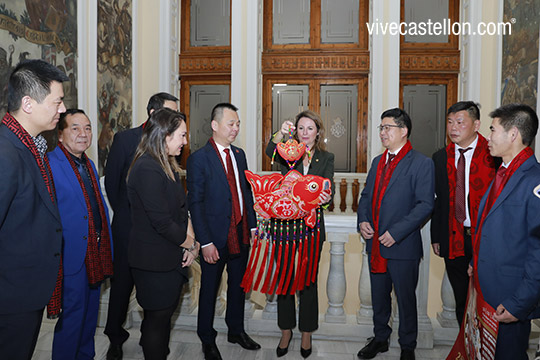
(355, 193)
(270, 309)
(349, 196)
(365, 313)
(447, 317)
(343, 195)
(336, 285)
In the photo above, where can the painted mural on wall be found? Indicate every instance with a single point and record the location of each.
(39, 29)
(114, 72)
(520, 53)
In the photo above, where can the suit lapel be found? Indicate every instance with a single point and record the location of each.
(70, 176)
(510, 185)
(403, 164)
(33, 169)
(315, 163)
(215, 161)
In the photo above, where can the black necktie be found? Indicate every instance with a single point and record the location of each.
(90, 191)
(460, 186)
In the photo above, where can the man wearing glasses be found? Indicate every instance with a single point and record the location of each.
(396, 201)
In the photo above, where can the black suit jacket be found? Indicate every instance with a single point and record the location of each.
(159, 216)
(118, 162)
(30, 230)
(209, 196)
(439, 219)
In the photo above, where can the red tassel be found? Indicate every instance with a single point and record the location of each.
(298, 264)
(311, 259)
(265, 289)
(316, 257)
(291, 270)
(301, 282)
(262, 268)
(285, 265)
(253, 268)
(245, 284)
(278, 266)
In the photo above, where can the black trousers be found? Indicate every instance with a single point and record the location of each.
(458, 276)
(210, 281)
(308, 310)
(19, 334)
(513, 340)
(156, 332)
(121, 289)
(308, 298)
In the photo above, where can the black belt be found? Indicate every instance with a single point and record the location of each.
(467, 230)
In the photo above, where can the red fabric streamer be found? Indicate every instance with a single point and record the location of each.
(482, 171)
(378, 263)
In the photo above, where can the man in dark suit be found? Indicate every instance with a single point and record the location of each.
(118, 163)
(30, 225)
(507, 241)
(395, 203)
(221, 206)
(463, 172)
(87, 256)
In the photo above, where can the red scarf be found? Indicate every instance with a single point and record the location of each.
(378, 263)
(482, 171)
(491, 199)
(55, 303)
(232, 237)
(98, 259)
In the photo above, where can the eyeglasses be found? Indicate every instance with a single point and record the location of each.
(385, 128)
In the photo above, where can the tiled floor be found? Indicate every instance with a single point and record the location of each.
(186, 345)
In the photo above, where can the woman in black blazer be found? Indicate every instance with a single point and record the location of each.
(162, 243)
(308, 128)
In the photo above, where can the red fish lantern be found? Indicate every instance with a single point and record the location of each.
(283, 205)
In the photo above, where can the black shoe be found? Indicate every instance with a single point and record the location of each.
(407, 354)
(244, 341)
(373, 348)
(306, 352)
(282, 352)
(115, 352)
(211, 352)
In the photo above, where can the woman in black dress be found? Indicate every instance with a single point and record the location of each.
(162, 244)
(308, 128)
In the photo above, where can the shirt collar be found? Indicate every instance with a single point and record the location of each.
(472, 145)
(221, 148)
(397, 151)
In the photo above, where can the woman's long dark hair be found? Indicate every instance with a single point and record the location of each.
(162, 123)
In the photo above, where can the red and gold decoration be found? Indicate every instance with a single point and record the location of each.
(286, 247)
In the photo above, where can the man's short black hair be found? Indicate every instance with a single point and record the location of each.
(522, 116)
(470, 106)
(32, 78)
(401, 118)
(62, 123)
(156, 101)
(217, 111)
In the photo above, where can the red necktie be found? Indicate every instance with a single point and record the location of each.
(460, 187)
(232, 185)
(383, 174)
(499, 178)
